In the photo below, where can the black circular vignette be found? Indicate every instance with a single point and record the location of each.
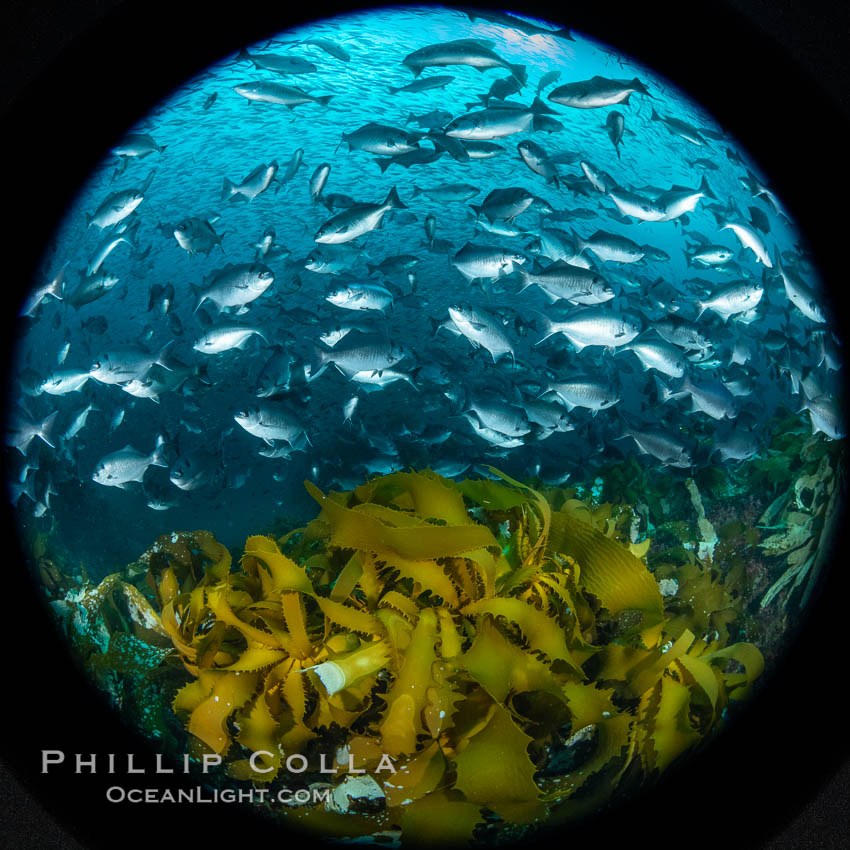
(72, 96)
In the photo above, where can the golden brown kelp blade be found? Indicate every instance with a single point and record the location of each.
(480, 648)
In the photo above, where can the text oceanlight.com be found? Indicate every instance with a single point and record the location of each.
(285, 796)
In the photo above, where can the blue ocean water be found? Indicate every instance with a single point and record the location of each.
(205, 140)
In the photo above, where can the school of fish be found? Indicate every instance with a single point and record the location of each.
(465, 258)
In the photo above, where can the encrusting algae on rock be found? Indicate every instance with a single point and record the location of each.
(490, 640)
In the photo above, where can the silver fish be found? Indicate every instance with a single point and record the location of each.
(826, 416)
(358, 220)
(751, 239)
(596, 92)
(271, 422)
(447, 192)
(277, 63)
(271, 92)
(226, 338)
(115, 208)
(196, 469)
(615, 124)
(137, 145)
(54, 288)
(536, 159)
(90, 288)
(254, 184)
(318, 181)
(78, 422)
(661, 356)
(495, 122)
(662, 446)
(372, 354)
(361, 296)
(123, 364)
(423, 84)
(481, 329)
(371, 379)
(611, 247)
(561, 280)
(709, 397)
(236, 286)
(482, 262)
(735, 298)
(276, 374)
(477, 53)
(381, 140)
(128, 465)
(504, 204)
(680, 128)
(593, 326)
(587, 392)
(196, 235)
(799, 293)
(65, 381)
(107, 245)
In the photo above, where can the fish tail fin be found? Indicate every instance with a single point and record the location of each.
(228, 189)
(148, 180)
(394, 201)
(701, 306)
(160, 358)
(410, 116)
(394, 90)
(548, 329)
(202, 374)
(664, 392)
(706, 189)
(579, 242)
(416, 191)
(57, 285)
(564, 33)
(525, 277)
(638, 86)
(384, 164)
(158, 455)
(371, 268)
(435, 325)
(477, 209)
(520, 73)
(318, 362)
(243, 56)
(46, 429)
(540, 108)
(325, 99)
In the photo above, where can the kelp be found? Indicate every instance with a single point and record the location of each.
(476, 633)
(803, 520)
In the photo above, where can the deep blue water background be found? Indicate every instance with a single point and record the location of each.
(107, 527)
